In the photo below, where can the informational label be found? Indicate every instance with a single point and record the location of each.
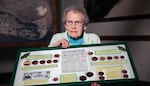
(36, 77)
(74, 61)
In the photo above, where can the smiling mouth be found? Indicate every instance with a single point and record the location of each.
(74, 31)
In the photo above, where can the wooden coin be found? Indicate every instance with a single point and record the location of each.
(26, 63)
(89, 74)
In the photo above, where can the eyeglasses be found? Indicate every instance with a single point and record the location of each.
(78, 23)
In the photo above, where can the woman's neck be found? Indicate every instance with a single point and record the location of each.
(76, 38)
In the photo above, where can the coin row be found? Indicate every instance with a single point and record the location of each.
(108, 58)
(35, 62)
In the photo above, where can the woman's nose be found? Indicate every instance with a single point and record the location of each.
(73, 25)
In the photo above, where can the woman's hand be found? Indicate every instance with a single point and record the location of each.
(95, 84)
(63, 43)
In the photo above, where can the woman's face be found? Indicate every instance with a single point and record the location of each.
(74, 24)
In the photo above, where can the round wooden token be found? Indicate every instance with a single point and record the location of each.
(49, 61)
(109, 57)
(90, 53)
(100, 73)
(34, 62)
(26, 63)
(55, 79)
(89, 74)
(42, 62)
(125, 76)
(124, 71)
(122, 57)
(101, 77)
(83, 78)
(56, 55)
(94, 58)
(102, 58)
(116, 57)
(55, 61)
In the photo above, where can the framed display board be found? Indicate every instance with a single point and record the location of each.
(108, 62)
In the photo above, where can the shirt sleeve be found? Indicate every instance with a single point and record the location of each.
(97, 38)
(92, 38)
(53, 40)
(56, 37)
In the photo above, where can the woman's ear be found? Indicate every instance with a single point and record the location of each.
(85, 27)
(65, 27)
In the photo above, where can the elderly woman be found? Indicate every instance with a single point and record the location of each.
(75, 21)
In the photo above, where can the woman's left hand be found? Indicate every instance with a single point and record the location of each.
(95, 84)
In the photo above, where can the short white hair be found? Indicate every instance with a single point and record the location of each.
(76, 8)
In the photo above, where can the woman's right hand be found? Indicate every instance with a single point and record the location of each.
(95, 84)
(63, 43)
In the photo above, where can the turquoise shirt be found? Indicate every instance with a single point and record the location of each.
(73, 41)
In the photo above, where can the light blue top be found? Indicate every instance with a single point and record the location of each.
(72, 41)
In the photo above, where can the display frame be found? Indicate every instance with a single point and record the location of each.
(136, 78)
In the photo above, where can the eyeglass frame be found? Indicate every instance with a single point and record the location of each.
(78, 23)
